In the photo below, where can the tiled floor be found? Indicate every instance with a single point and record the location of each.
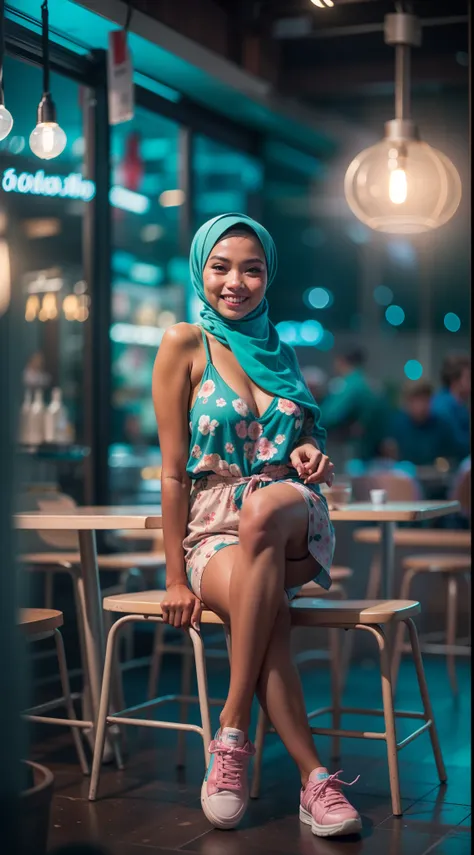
(152, 807)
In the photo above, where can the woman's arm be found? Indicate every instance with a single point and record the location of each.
(171, 392)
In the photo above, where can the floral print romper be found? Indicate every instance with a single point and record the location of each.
(232, 454)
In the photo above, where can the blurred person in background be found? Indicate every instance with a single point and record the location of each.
(316, 380)
(354, 411)
(421, 435)
(453, 399)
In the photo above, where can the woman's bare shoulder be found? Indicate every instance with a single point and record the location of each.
(181, 339)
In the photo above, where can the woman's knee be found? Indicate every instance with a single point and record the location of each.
(261, 524)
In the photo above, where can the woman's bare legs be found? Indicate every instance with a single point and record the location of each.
(246, 585)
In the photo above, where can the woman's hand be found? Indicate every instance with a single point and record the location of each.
(180, 607)
(312, 465)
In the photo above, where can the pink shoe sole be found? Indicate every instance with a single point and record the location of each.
(348, 826)
(218, 822)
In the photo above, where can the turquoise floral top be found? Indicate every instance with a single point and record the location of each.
(228, 439)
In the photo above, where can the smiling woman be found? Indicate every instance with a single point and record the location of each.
(244, 521)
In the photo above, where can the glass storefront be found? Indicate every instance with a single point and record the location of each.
(42, 205)
(148, 291)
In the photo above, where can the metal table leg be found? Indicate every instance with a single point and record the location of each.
(387, 559)
(93, 629)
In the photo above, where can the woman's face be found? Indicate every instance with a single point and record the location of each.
(235, 276)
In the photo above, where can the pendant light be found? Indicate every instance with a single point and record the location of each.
(6, 121)
(402, 185)
(47, 140)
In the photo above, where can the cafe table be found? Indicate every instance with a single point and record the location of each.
(87, 520)
(387, 516)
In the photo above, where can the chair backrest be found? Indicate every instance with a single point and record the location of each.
(51, 501)
(400, 486)
(461, 490)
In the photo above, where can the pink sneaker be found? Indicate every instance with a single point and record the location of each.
(225, 792)
(324, 806)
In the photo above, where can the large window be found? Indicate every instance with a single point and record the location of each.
(148, 293)
(42, 205)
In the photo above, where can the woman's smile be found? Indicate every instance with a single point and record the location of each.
(233, 301)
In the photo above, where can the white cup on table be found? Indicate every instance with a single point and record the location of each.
(378, 497)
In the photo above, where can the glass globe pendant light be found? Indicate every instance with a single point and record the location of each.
(402, 185)
(6, 120)
(47, 140)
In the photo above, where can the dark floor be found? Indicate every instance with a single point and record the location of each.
(153, 807)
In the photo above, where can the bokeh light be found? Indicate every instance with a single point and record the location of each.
(395, 315)
(311, 331)
(452, 322)
(402, 252)
(318, 298)
(288, 331)
(413, 369)
(383, 295)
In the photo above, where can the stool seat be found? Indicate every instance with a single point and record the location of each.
(148, 603)
(448, 538)
(438, 563)
(118, 561)
(37, 621)
(331, 613)
(304, 611)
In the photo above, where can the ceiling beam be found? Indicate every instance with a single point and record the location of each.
(303, 27)
(330, 80)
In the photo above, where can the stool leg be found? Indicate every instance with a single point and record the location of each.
(156, 661)
(335, 664)
(425, 697)
(451, 621)
(186, 674)
(345, 652)
(66, 690)
(200, 661)
(389, 718)
(400, 631)
(262, 727)
(101, 726)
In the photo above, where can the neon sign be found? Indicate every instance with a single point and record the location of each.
(72, 186)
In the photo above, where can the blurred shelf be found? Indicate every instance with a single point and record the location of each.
(53, 451)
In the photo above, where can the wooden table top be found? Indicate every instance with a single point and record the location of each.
(92, 518)
(141, 518)
(393, 511)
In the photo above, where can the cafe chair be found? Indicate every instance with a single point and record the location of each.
(37, 625)
(375, 617)
(146, 607)
(451, 569)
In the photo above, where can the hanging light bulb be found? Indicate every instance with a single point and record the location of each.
(6, 120)
(47, 140)
(402, 185)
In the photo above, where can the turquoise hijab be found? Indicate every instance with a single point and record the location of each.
(254, 340)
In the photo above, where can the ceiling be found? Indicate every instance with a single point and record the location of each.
(331, 54)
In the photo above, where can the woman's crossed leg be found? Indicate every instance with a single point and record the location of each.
(245, 585)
